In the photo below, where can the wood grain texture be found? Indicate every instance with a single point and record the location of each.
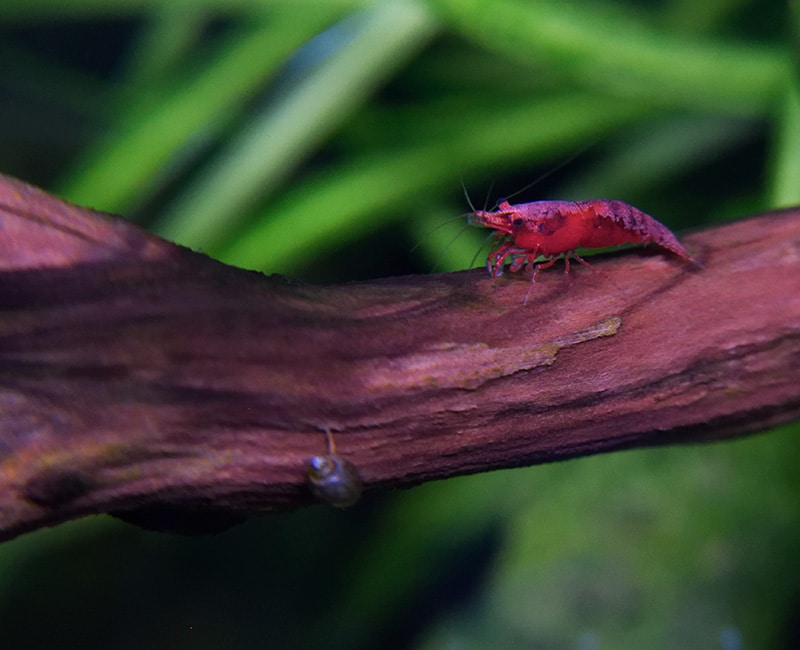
(139, 377)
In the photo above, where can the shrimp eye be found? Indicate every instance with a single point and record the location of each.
(334, 480)
(518, 222)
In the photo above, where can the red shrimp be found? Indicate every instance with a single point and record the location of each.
(547, 229)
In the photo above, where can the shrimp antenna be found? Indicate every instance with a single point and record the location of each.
(469, 200)
(450, 243)
(444, 223)
(478, 252)
(466, 196)
(549, 172)
(488, 194)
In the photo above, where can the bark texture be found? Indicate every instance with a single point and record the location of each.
(140, 378)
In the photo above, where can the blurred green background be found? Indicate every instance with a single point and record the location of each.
(327, 140)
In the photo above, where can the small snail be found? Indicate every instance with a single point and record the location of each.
(333, 479)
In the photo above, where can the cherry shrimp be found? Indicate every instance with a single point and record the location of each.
(527, 231)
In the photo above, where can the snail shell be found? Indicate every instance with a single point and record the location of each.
(334, 480)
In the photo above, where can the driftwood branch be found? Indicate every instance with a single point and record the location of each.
(141, 378)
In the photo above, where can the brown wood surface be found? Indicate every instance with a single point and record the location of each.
(139, 376)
